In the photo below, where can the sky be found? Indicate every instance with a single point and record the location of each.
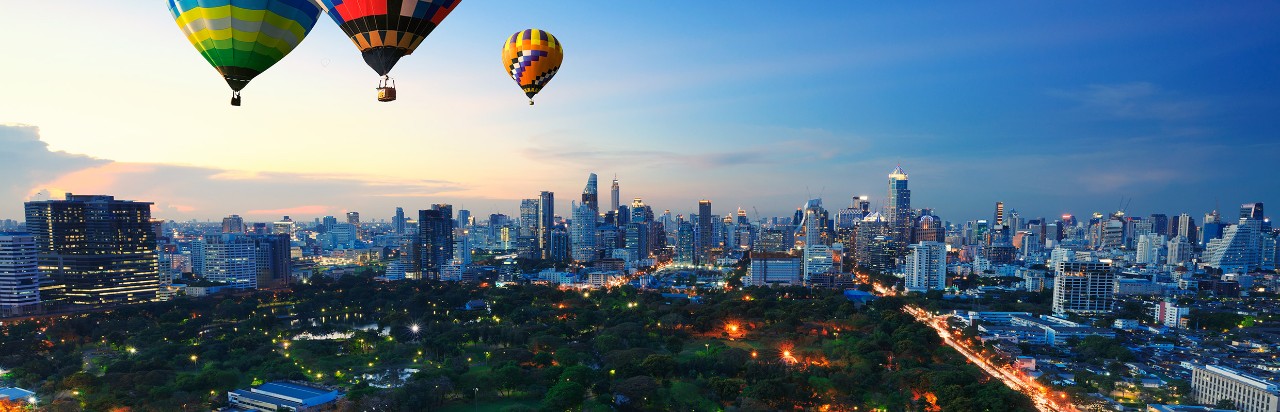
(1052, 107)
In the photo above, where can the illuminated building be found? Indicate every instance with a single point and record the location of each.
(95, 249)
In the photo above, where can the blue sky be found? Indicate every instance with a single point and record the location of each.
(1050, 107)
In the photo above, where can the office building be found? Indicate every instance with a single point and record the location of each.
(231, 258)
(1211, 384)
(1084, 287)
(926, 267)
(705, 233)
(434, 243)
(774, 271)
(1238, 250)
(398, 222)
(546, 222)
(95, 249)
(582, 231)
(19, 274)
(614, 195)
(233, 224)
(899, 207)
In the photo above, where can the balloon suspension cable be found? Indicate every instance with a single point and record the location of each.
(235, 98)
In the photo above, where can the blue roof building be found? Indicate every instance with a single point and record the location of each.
(276, 396)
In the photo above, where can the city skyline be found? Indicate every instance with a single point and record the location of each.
(1051, 109)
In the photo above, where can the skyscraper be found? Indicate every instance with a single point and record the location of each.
(614, 193)
(1251, 211)
(899, 208)
(19, 274)
(527, 241)
(589, 196)
(926, 267)
(582, 232)
(435, 240)
(353, 218)
(233, 224)
(398, 222)
(546, 219)
(705, 234)
(96, 249)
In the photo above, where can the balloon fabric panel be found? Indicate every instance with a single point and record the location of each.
(532, 57)
(243, 38)
(386, 30)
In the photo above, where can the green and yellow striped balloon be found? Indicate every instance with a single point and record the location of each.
(243, 38)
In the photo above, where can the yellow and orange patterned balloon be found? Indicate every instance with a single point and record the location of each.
(532, 57)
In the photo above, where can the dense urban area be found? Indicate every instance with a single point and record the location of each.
(621, 307)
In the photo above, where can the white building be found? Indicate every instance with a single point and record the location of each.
(1179, 250)
(1239, 248)
(19, 274)
(231, 258)
(1084, 287)
(1211, 383)
(1150, 249)
(926, 267)
(1169, 314)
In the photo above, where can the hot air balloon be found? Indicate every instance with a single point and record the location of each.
(243, 38)
(386, 30)
(532, 57)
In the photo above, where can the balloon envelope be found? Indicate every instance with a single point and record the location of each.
(386, 30)
(532, 57)
(243, 38)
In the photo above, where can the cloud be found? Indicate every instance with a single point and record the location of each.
(180, 192)
(1136, 100)
(753, 146)
(24, 159)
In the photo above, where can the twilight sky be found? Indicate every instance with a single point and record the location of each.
(1051, 107)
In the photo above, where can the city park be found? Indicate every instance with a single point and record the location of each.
(414, 345)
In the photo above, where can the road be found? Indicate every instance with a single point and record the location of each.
(1044, 399)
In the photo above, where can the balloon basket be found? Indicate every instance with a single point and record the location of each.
(387, 90)
(235, 99)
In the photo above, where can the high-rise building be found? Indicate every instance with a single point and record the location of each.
(546, 221)
(926, 267)
(705, 233)
(1084, 287)
(434, 243)
(899, 207)
(582, 232)
(1211, 384)
(233, 224)
(96, 249)
(1160, 224)
(1251, 211)
(231, 258)
(589, 196)
(1151, 249)
(398, 222)
(274, 261)
(614, 195)
(527, 242)
(19, 274)
(1179, 250)
(283, 226)
(1187, 228)
(1238, 250)
(685, 247)
(463, 220)
(353, 218)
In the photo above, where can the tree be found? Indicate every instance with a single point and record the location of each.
(563, 396)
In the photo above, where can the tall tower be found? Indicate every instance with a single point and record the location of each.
(398, 222)
(899, 207)
(435, 240)
(589, 196)
(97, 249)
(998, 218)
(546, 219)
(613, 190)
(705, 232)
